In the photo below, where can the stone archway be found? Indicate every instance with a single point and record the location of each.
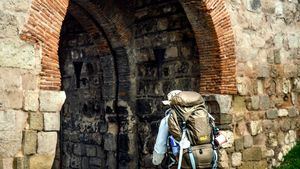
(122, 41)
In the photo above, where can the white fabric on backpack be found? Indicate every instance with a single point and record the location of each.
(160, 147)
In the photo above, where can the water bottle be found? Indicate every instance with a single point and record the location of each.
(175, 146)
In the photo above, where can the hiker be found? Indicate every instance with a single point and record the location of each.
(188, 131)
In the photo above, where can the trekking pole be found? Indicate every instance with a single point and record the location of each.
(181, 150)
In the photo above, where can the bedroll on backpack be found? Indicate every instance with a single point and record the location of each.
(188, 108)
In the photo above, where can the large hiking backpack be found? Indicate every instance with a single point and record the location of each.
(188, 113)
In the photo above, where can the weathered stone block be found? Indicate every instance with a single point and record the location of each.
(17, 54)
(252, 154)
(253, 5)
(11, 99)
(277, 57)
(224, 161)
(79, 149)
(268, 125)
(111, 160)
(110, 142)
(30, 142)
(10, 79)
(91, 150)
(171, 52)
(51, 101)
(236, 159)
(255, 127)
(224, 102)
(264, 102)
(47, 142)
(293, 112)
(282, 112)
(224, 118)
(20, 163)
(239, 144)
(263, 71)
(41, 161)
(254, 165)
(162, 24)
(36, 121)
(29, 81)
(95, 161)
(6, 163)
(285, 124)
(255, 102)
(248, 141)
(7, 120)
(31, 101)
(292, 136)
(293, 41)
(272, 114)
(51, 121)
(243, 85)
(21, 120)
(10, 143)
(230, 139)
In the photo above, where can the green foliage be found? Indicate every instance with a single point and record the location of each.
(292, 159)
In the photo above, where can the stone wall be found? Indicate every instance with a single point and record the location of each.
(166, 59)
(153, 44)
(265, 116)
(29, 117)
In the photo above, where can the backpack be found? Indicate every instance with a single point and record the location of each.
(188, 113)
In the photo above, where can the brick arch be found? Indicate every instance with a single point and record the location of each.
(43, 28)
(215, 41)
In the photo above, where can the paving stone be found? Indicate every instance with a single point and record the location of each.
(51, 101)
(51, 121)
(30, 142)
(47, 142)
